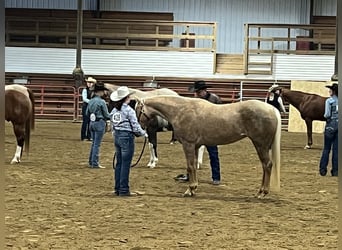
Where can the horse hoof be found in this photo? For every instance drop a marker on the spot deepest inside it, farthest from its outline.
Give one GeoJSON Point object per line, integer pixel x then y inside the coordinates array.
{"type": "Point", "coordinates": [261, 195]}
{"type": "Point", "coordinates": [15, 162]}
{"type": "Point", "coordinates": [188, 193]}
{"type": "Point", "coordinates": [307, 147]}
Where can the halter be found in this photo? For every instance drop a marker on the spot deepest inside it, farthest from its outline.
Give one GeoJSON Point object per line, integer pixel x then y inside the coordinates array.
{"type": "Point", "coordinates": [142, 112]}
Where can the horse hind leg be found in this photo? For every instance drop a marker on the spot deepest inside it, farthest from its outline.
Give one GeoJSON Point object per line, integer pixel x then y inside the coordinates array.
{"type": "Point", "coordinates": [19, 131]}
{"type": "Point", "coordinates": [308, 123]}
{"type": "Point", "coordinates": [190, 155]}
{"type": "Point", "coordinates": [200, 156]}
{"type": "Point", "coordinates": [266, 162]}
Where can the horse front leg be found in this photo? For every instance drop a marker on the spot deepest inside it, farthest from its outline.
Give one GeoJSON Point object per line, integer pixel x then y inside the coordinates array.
{"type": "Point", "coordinates": [152, 145]}
{"type": "Point", "coordinates": [308, 123]}
{"type": "Point", "coordinates": [190, 155]}
{"type": "Point", "coordinates": [19, 131]}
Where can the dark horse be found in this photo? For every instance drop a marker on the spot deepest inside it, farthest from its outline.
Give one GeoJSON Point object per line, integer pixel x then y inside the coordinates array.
{"type": "Point", "coordinates": [156, 124]}
{"type": "Point", "coordinates": [310, 106]}
{"type": "Point", "coordinates": [19, 110]}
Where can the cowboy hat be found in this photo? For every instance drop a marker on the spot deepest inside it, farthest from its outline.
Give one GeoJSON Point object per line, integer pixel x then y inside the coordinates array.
{"type": "Point", "coordinates": [120, 93]}
{"type": "Point", "coordinates": [99, 86]}
{"type": "Point", "coordinates": [198, 85]}
{"type": "Point", "coordinates": [333, 87]}
{"type": "Point", "coordinates": [91, 79]}
{"type": "Point", "coordinates": [274, 87]}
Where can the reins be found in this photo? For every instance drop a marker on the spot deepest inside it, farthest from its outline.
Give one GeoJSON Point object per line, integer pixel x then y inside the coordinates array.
{"type": "Point", "coordinates": [142, 151]}
{"type": "Point", "coordinates": [145, 141]}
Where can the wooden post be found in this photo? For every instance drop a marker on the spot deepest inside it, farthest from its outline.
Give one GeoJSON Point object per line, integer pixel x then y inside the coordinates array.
{"type": "Point", "coordinates": [214, 48]}
{"type": "Point", "coordinates": [335, 75]}
{"type": "Point", "coordinates": [245, 53]}
{"type": "Point", "coordinates": [288, 39]}
{"type": "Point", "coordinates": [259, 35]}
{"type": "Point", "coordinates": [78, 72]}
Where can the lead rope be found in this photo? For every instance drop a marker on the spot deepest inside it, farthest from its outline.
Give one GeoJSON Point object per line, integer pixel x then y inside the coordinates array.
{"type": "Point", "coordinates": [142, 151]}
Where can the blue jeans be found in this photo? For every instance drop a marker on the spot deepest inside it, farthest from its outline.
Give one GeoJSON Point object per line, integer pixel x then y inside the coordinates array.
{"type": "Point", "coordinates": [85, 130]}
{"type": "Point", "coordinates": [214, 162]}
{"type": "Point", "coordinates": [97, 130]}
{"type": "Point", "coordinates": [124, 148]}
{"type": "Point", "coordinates": [330, 141]}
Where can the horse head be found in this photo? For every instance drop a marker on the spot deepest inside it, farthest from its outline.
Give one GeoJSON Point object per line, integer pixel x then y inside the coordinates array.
{"type": "Point", "coordinates": [142, 114]}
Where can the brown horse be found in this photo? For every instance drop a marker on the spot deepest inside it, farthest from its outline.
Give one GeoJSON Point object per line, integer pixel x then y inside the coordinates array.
{"type": "Point", "coordinates": [198, 122]}
{"type": "Point", "coordinates": [19, 110]}
{"type": "Point", "coordinates": [310, 106]}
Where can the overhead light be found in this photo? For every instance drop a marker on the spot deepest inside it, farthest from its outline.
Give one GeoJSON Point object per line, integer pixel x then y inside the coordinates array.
{"type": "Point", "coordinates": [22, 80]}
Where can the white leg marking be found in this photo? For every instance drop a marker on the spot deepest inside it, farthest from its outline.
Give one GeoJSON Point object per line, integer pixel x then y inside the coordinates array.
{"type": "Point", "coordinates": [16, 158]}
{"type": "Point", "coordinates": [200, 156]}
{"type": "Point", "coordinates": [150, 147]}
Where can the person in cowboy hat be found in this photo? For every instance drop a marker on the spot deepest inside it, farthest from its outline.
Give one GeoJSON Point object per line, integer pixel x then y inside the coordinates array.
{"type": "Point", "coordinates": [273, 97]}
{"type": "Point", "coordinates": [330, 132]}
{"type": "Point", "coordinates": [98, 113]}
{"type": "Point", "coordinates": [86, 96]}
{"type": "Point", "coordinates": [125, 127]}
{"type": "Point", "coordinates": [199, 88]}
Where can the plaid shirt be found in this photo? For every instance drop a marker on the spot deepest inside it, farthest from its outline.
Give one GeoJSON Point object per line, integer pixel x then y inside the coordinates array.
{"type": "Point", "coordinates": [126, 120]}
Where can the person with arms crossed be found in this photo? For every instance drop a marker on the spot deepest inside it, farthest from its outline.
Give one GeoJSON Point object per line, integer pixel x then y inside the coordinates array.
{"type": "Point", "coordinates": [330, 132]}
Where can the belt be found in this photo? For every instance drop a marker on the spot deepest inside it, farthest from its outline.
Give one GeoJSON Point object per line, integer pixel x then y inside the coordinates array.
{"type": "Point", "coordinates": [98, 119]}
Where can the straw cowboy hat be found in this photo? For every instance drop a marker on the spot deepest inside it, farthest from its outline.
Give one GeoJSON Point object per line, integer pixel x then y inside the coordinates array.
{"type": "Point", "coordinates": [99, 86]}
{"type": "Point", "coordinates": [198, 85]}
{"type": "Point", "coordinates": [274, 87]}
{"type": "Point", "coordinates": [90, 79]}
{"type": "Point", "coordinates": [120, 93]}
{"type": "Point", "coordinates": [333, 87]}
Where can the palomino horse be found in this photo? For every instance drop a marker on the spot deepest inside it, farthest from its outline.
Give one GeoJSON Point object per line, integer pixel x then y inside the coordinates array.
{"type": "Point", "coordinates": [310, 106]}
{"type": "Point", "coordinates": [157, 124]}
{"type": "Point", "coordinates": [198, 122]}
{"type": "Point", "coordinates": [19, 110]}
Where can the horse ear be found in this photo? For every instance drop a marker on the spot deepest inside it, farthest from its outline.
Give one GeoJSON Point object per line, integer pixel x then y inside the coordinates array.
{"type": "Point", "coordinates": [138, 99]}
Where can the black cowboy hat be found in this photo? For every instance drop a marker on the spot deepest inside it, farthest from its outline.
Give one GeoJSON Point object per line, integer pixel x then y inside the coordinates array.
{"type": "Point", "coordinates": [99, 86]}
{"type": "Point", "coordinates": [333, 87]}
{"type": "Point", "coordinates": [198, 85]}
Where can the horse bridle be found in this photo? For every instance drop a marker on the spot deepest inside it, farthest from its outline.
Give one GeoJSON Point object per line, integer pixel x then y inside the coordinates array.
{"type": "Point", "coordinates": [142, 112]}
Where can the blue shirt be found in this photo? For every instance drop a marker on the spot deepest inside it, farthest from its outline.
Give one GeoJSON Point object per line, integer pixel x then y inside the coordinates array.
{"type": "Point", "coordinates": [331, 107]}
{"type": "Point", "coordinates": [126, 120]}
{"type": "Point", "coordinates": [98, 107]}
{"type": "Point", "coordinates": [85, 95]}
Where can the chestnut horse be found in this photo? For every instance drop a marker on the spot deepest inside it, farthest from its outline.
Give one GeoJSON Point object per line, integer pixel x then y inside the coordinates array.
{"type": "Point", "coordinates": [19, 110]}
{"type": "Point", "coordinates": [198, 122]}
{"type": "Point", "coordinates": [310, 106]}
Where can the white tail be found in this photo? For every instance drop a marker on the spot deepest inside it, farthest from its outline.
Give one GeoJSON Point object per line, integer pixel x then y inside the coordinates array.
{"type": "Point", "coordinates": [275, 174]}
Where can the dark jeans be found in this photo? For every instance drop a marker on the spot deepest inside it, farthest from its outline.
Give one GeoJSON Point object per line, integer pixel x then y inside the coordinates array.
{"type": "Point", "coordinates": [97, 130]}
{"type": "Point", "coordinates": [85, 130]}
{"type": "Point", "coordinates": [330, 141]}
{"type": "Point", "coordinates": [124, 148]}
{"type": "Point", "coordinates": [214, 162]}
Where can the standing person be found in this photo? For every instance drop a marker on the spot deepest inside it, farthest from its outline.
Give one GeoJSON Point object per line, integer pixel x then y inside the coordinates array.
{"type": "Point", "coordinates": [98, 114]}
{"type": "Point", "coordinates": [200, 91]}
{"type": "Point", "coordinates": [125, 126]}
{"type": "Point", "coordinates": [330, 132]}
{"type": "Point", "coordinates": [274, 98]}
{"type": "Point", "coordinates": [86, 96]}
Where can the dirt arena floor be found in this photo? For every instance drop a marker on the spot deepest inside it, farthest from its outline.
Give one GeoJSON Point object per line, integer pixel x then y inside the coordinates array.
{"type": "Point", "coordinates": [54, 201]}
